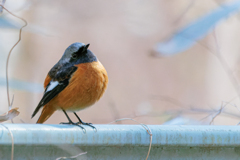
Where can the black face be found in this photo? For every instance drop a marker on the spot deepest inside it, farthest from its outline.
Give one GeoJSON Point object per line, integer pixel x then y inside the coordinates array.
{"type": "Point", "coordinates": [83, 55]}
{"type": "Point", "coordinates": [71, 57]}
{"type": "Point", "coordinates": [81, 50]}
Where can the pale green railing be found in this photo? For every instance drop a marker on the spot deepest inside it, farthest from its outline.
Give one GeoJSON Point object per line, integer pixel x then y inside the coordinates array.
{"type": "Point", "coordinates": [40, 142]}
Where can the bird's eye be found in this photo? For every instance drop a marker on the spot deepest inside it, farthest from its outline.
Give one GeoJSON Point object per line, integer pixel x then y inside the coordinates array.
{"type": "Point", "coordinates": [74, 56]}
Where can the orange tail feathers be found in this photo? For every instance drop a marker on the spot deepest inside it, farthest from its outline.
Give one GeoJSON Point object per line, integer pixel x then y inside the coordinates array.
{"type": "Point", "coordinates": [46, 113]}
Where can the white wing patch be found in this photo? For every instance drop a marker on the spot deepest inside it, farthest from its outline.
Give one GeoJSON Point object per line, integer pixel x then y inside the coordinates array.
{"type": "Point", "coordinates": [52, 85]}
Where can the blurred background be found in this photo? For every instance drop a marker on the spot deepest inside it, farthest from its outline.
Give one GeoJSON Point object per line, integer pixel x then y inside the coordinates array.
{"type": "Point", "coordinates": [168, 61]}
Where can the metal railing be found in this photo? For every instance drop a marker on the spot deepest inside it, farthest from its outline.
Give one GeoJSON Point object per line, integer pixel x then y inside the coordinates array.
{"type": "Point", "coordinates": [43, 141]}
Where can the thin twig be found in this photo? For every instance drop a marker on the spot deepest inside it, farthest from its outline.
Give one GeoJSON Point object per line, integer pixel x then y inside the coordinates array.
{"type": "Point", "coordinates": [221, 109]}
{"type": "Point", "coordinates": [218, 113]}
{"type": "Point", "coordinates": [219, 4]}
{"type": "Point", "coordinates": [169, 99]}
{"type": "Point", "coordinates": [22, 120]}
{"type": "Point", "coordinates": [144, 126]}
{"type": "Point", "coordinates": [20, 34]}
{"type": "Point", "coordinates": [10, 107]}
{"type": "Point", "coordinates": [234, 105]}
{"type": "Point", "coordinates": [2, 2]}
{"type": "Point", "coordinates": [189, 6]}
{"type": "Point", "coordinates": [223, 62]}
{"type": "Point", "coordinates": [114, 110]}
{"type": "Point", "coordinates": [193, 110]}
{"type": "Point", "coordinates": [226, 67]}
{"type": "Point", "coordinates": [12, 152]}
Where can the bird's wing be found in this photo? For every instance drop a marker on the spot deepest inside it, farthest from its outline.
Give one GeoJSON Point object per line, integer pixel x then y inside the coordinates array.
{"type": "Point", "coordinates": [59, 81]}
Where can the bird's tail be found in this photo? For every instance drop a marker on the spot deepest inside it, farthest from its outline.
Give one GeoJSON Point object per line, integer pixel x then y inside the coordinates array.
{"type": "Point", "coordinates": [46, 113]}
{"type": "Point", "coordinates": [36, 110]}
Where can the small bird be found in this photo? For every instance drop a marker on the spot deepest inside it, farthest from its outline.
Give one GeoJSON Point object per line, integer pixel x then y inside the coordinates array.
{"type": "Point", "coordinates": [75, 82]}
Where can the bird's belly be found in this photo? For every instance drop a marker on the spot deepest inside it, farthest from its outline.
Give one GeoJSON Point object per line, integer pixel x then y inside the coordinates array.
{"type": "Point", "coordinates": [86, 86]}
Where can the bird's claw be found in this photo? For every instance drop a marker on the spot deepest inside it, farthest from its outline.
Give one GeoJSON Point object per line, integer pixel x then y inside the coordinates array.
{"type": "Point", "coordinates": [79, 124]}
{"type": "Point", "coordinates": [87, 124]}
{"type": "Point", "coordinates": [76, 124]}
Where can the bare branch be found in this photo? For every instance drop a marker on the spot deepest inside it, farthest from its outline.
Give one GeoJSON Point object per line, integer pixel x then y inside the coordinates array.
{"type": "Point", "coordinates": [114, 110]}
{"type": "Point", "coordinates": [144, 126]}
{"type": "Point", "coordinates": [226, 67]}
{"type": "Point", "coordinates": [2, 2]}
{"type": "Point", "coordinates": [20, 34]}
{"type": "Point", "coordinates": [191, 3]}
{"type": "Point", "coordinates": [12, 152]}
{"type": "Point", "coordinates": [169, 99]}
{"type": "Point", "coordinates": [218, 113]}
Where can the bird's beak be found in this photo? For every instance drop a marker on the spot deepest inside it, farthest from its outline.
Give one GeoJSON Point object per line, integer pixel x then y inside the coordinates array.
{"type": "Point", "coordinates": [86, 47]}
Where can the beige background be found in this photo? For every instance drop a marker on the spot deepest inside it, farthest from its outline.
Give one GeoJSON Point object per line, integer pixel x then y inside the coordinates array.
{"type": "Point", "coordinates": [123, 35]}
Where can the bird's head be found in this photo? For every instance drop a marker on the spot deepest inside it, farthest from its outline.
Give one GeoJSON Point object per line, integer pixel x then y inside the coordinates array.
{"type": "Point", "coordinates": [78, 53]}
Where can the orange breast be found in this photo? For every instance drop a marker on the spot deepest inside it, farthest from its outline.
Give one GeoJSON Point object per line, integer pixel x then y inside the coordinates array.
{"type": "Point", "coordinates": [86, 86]}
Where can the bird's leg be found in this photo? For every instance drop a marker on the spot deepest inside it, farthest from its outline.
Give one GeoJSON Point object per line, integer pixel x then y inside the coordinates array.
{"type": "Point", "coordinates": [70, 121]}
{"type": "Point", "coordinates": [83, 123]}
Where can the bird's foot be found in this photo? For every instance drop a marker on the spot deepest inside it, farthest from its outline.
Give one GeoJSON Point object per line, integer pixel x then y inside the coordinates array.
{"type": "Point", "coordinates": [76, 124]}
{"type": "Point", "coordinates": [83, 123]}
{"type": "Point", "coordinates": [87, 124]}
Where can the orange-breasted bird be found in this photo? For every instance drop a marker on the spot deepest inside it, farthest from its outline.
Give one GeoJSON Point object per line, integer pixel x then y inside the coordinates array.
{"type": "Point", "coordinates": [77, 81]}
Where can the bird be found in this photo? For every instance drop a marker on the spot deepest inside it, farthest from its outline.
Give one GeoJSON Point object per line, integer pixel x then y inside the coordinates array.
{"type": "Point", "coordinates": [75, 82]}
